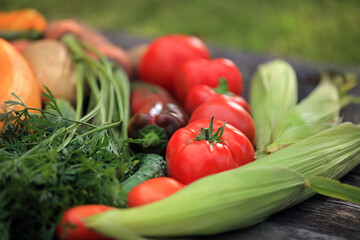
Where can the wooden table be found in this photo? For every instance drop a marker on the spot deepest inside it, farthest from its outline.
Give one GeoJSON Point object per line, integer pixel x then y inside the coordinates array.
{"type": "Point", "coordinates": [320, 217]}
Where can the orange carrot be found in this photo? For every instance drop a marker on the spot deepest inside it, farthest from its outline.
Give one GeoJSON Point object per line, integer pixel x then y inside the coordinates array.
{"type": "Point", "coordinates": [135, 53]}
{"type": "Point", "coordinates": [22, 20]}
{"type": "Point", "coordinates": [16, 77]}
{"type": "Point", "coordinates": [116, 54]}
{"type": "Point", "coordinates": [57, 29]}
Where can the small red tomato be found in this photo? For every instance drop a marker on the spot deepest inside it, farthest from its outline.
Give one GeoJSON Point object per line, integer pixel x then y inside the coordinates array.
{"type": "Point", "coordinates": [153, 190]}
{"type": "Point", "coordinates": [71, 226]}
{"type": "Point", "coordinates": [202, 93]}
{"type": "Point", "coordinates": [206, 147]}
{"type": "Point", "coordinates": [207, 72]}
{"type": "Point", "coordinates": [166, 55]}
{"type": "Point", "coordinates": [227, 111]}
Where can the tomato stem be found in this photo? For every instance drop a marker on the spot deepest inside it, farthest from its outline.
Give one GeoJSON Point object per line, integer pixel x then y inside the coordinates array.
{"type": "Point", "coordinates": [223, 87]}
{"type": "Point", "coordinates": [209, 135]}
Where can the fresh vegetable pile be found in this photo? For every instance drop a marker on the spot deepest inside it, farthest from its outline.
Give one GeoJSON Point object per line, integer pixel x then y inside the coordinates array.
{"type": "Point", "coordinates": [160, 145]}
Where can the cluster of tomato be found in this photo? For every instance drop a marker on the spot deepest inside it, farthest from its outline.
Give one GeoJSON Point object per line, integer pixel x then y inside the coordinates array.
{"type": "Point", "coordinates": [220, 133]}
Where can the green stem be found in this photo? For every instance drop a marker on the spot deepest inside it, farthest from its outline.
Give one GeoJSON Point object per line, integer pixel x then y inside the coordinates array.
{"type": "Point", "coordinates": [79, 101]}
{"type": "Point", "coordinates": [208, 134]}
{"type": "Point", "coordinates": [101, 128]}
{"type": "Point", "coordinates": [97, 98]}
{"type": "Point", "coordinates": [111, 104]}
{"type": "Point", "coordinates": [110, 75]}
{"type": "Point", "coordinates": [119, 80]}
{"type": "Point", "coordinates": [63, 118]}
{"type": "Point", "coordinates": [104, 93]}
{"type": "Point", "coordinates": [112, 82]}
{"type": "Point", "coordinates": [79, 90]}
{"type": "Point", "coordinates": [106, 76]}
{"type": "Point", "coordinates": [108, 96]}
{"type": "Point", "coordinates": [125, 86]}
{"type": "Point", "coordinates": [223, 87]}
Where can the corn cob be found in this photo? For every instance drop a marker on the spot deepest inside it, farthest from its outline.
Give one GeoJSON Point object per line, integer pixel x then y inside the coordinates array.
{"type": "Point", "coordinates": [273, 91]}
{"type": "Point", "coordinates": [197, 208]}
{"type": "Point", "coordinates": [243, 196]}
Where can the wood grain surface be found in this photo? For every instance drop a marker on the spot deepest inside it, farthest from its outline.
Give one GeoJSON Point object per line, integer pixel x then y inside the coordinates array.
{"type": "Point", "coordinates": [319, 217]}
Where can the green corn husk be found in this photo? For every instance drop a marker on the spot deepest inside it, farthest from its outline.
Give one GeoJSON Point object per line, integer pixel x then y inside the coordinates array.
{"type": "Point", "coordinates": [333, 188]}
{"type": "Point", "coordinates": [241, 197]}
{"type": "Point", "coordinates": [273, 91]}
{"type": "Point", "coordinates": [317, 112]}
{"type": "Point", "coordinates": [331, 153]}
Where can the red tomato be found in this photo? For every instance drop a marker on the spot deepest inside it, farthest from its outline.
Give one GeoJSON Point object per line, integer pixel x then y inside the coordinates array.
{"type": "Point", "coordinates": [207, 72]}
{"type": "Point", "coordinates": [166, 55]}
{"type": "Point", "coordinates": [153, 190]}
{"type": "Point", "coordinates": [202, 93]}
{"type": "Point", "coordinates": [191, 155]}
{"type": "Point", "coordinates": [227, 111]}
{"type": "Point", "coordinates": [71, 226]}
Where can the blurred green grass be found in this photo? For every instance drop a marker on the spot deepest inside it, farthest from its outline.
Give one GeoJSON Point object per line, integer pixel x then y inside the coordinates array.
{"type": "Point", "coordinates": [320, 31]}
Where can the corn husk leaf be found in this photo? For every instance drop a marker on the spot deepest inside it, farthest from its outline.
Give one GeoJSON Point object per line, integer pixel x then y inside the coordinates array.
{"type": "Point", "coordinates": [334, 189]}
{"type": "Point", "coordinates": [317, 112]}
{"type": "Point", "coordinates": [273, 92]}
{"type": "Point", "coordinates": [331, 153]}
{"type": "Point", "coordinates": [345, 83]}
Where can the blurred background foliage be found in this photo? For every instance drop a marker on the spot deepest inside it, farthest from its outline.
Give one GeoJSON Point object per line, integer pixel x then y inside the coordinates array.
{"type": "Point", "coordinates": [312, 30]}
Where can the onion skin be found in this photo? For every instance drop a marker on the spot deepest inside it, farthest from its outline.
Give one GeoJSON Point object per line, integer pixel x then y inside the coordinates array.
{"type": "Point", "coordinates": [52, 65]}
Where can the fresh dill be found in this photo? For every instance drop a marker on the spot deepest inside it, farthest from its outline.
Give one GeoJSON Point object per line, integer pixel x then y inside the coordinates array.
{"type": "Point", "coordinates": [54, 158]}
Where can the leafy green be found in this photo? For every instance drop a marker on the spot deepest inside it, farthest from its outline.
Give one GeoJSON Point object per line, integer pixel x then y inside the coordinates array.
{"type": "Point", "coordinates": [39, 178]}
{"type": "Point", "coordinates": [152, 139]}
{"type": "Point", "coordinates": [152, 165]}
{"type": "Point", "coordinates": [53, 159]}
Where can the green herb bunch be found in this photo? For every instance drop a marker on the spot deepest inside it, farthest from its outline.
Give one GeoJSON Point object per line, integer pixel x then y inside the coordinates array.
{"type": "Point", "coordinates": [38, 174]}
{"type": "Point", "coordinates": [52, 160]}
